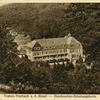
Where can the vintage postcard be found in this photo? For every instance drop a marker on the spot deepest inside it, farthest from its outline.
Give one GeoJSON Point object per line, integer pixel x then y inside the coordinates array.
{"type": "Point", "coordinates": [49, 50]}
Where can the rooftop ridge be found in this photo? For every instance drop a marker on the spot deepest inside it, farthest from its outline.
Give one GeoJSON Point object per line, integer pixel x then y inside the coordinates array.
{"type": "Point", "coordinates": [51, 38]}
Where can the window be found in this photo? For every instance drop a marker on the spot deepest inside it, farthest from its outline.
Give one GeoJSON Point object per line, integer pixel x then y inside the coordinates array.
{"type": "Point", "coordinates": [46, 52]}
{"type": "Point", "coordinates": [64, 50]}
{"type": "Point", "coordinates": [37, 53]}
{"type": "Point", "coordinates": [34, 54]}
{"type": "Point", "coordinates": [36, 48]}
{"type": "Point", "coordinates": [50, 47]}
{"type": "Point", "coordinates": [74, 56]}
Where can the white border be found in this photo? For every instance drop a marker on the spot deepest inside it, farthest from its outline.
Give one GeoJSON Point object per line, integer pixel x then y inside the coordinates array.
{"type": "Point", "coordinates": [2, 2]}
{"type": "Point", "coordinates": [49, 1]}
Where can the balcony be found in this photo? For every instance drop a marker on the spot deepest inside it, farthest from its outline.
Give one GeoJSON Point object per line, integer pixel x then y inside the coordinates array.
{"type": "Point", "coordinates": [50, 58]}
{"type": "Point", "coordinates": [50, 54]}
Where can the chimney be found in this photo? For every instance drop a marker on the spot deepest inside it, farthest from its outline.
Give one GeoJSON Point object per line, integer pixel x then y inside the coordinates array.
{"type": "Point", "coordinates": [69, 34]}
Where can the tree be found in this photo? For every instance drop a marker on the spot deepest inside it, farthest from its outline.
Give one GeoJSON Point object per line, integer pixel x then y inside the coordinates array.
{"type": "Point", "coordinates": [6, 46]}
{"type": "Point", "coordinates": [82, 20]}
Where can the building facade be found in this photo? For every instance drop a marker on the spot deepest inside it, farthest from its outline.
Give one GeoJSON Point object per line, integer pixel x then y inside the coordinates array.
{"type": "Point", "coordinates": [53, 49]}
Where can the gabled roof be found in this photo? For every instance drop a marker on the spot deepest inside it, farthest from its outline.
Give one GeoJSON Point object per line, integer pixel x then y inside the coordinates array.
{"type": "Point", "coordinates": [62, 42]}
{"type": "Point", "coordinates": [31, 44]}
{"type": "Point", "coordinates": [22, 39]}
{"type": "Point", "coordinates": [52, 42]}
{"type": "Point", "coordinates": [73, 43]}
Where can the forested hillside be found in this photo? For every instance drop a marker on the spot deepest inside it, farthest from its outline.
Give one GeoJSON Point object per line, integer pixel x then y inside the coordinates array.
{"type": "Point", "coordinates": [84, 22]}
{"type": "Point", "coordinates": [38, 20]}
{"type": "Point", "coordinates": [50, 20]}
{"type": "Point", "coordinates": [54, 20]}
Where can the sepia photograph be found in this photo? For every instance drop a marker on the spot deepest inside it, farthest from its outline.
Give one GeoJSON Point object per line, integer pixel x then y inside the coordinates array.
{"type": "Point", "coordinates": [50, 48]}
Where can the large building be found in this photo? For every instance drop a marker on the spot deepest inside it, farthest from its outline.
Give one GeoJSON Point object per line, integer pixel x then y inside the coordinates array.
{"type": "Point", "coordinates": [50, 49]}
